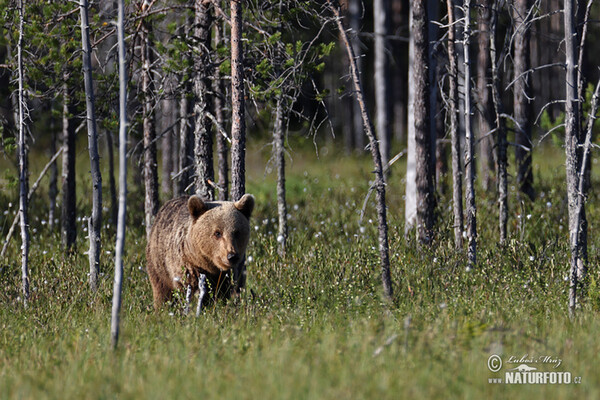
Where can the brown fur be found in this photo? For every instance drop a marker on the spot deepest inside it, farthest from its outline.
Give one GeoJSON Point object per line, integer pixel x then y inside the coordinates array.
{"type": "Point", "coordinates": [192, 237]}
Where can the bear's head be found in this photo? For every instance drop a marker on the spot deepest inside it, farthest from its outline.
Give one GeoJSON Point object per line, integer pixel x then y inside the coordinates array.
{"type": "Point", "coordinates": [219, 231]}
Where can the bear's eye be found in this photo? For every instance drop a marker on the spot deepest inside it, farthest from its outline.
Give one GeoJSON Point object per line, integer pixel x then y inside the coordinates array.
{"type": "Point", "coordinates": [218, 234]}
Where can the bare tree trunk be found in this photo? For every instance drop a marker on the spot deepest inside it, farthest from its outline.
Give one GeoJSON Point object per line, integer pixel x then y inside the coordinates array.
{"type": "Point", "coordinates": [23, 167]}
{"type": "Point", "coordinates": [485, 105]}
{"type": "Point", "coordinates": [69, 201]}
{"type": "Point", "coordinates": [355, 12]}
{"type": "Point", "coordinates": [432, 69]}
{"type": "Point", "coordinates": [522, 96]}
{"type": "Point", "coordinates": [118, 283]}
{"type": "Point", "coordinates": [238, 122]}
{"type": "Point", "coordinates": [410, 203]}
{"type": "Point", "coordinates": [379, 178]}
{"type": "Point", "coordinates": [457, 174]}
{"type": "Point", "coordinates": [166, 129]}
{"type": "Point", "coordinates": [95, 221]}
{"type": "Point", "coordinates": [111, 178]}
{"type": "Point", "coordinates": [500, 130]}
{"type": "Point", "coordinates": [150, 162]}
{"type": "Point", "coordinates": [424, 169]}
{"type": "Point", "coordinates": [53, 184]}
{"type": "Point", "coordinates": [469, 154]}
{"type": "Point", "coordinates": [186, 143]}
{"type": "Point", "coordinates": [278, 141]}
{"type": "Point", "coordinates": [381, 11]}
{"type": "Point", "coordinates": [572, 142]}
{"type": "Point", "coordinates": [219, 103]}
{"type": "Point", "coordinates": [205, 174]}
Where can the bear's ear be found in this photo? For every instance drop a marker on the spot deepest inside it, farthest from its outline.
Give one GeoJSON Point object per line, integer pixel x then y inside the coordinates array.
{"type": "Point", "coordinates": [196, 206]}
{"type": "Point", "coordinates": [245, 205]}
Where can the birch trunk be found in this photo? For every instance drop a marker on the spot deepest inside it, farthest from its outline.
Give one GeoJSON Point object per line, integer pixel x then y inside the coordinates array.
{"type": "Point", "coordinates": [118, 283]}
{"type": "Point", "coordinates": [238, 122]}
{"type": "Point", "coordinates": [95, 221]}
{"type": "Point", "coordinates": [382, 77]}
{"type": "Point", "coordinates": [69, 200]}
{"type": "Point", "coordinates": [150, 160]}
{"type": "Point", "coordinates": [219, 103]}
{"type": "Point", "coordinates": [471, 208]}
{"type": "Point", "coordinates": [487, 166]}
{"type": "Point", "coordinates": [457, 173]}
{"type": "Point", "coordinates": [186, 143]}
{"type": "Point", "coordinates": [278, 141]}
{"type": "Point", "coordinates": [23, 167]}
{"type": "Point", "coordinates": [410, 203]}
{"type": "Point", "coordinates": [379, 178]}
{"type": "Point", "coordinates": [203, 126]}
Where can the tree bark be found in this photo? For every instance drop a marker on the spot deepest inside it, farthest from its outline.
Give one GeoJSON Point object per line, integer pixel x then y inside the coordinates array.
{"type": "Point", "coordinates": [222, 149]}
{"type": "Point", "coordinates": [379, 178]}
{"type": "Point", "coordinates": [487, 165]}
{"type": "Point", "coordinates": [120, 243]}
{"type": "Point", "coordinates": [410, 203]}
{"type": "Point", "coordinates": [150, 161]}
{"type": "Point", "coordinates": [69, 200]}
{"type": "Point", "coordinates": [95, 221]}
{"type": "Point", "coordinates": [279, 142]}
{"type": "Point", "coordinates": [381, 11]}
{"type": "Point", "coordinates": [500, 130]}
{"type": "Point", "coordinates": [167, 120]}
{"type": "Point", "coordinates": [355, 12]}
{"type": "Point", "coordinates": [23, 167]}
{"type": "Point", "coordinates": [471, 208]}
{"type": "Point", "coordinates": [424, 176]}
{"type": "Point", "coordinates": [238, 122]}
{"type": "Point", "coordinates": [203, 151]}
{"type": "Point", "coordinates": [457, 173]}
{"type": "Point", "coordinates": [522, 96]}
{"type": "Point", "coordinates": [186, 142]}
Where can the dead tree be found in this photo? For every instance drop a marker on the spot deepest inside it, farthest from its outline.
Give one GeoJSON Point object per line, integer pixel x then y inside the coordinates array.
{"type": "Point", "coordinates": [381, 11]}
{"type": "Point", "coordinates": [279, 153]}
{"type": "Point", "coordinates": [118, 282]}
{"type": "Point", "coordinates": [457, 174]}
{"type": "Point", "coordinates": [379, 183]}
{"type": "Point", "coordinates": [23, 166]}
{"type": "Point", "coordinates": [95, 221]}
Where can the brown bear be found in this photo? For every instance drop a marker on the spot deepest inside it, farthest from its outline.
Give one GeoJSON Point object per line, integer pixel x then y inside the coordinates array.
{"type": "Point", "coordinates": [190, 238]}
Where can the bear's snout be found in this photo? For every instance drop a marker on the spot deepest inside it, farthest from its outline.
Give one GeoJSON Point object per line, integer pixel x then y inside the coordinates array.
{"type": "Point", "coordinates": [233, 258]}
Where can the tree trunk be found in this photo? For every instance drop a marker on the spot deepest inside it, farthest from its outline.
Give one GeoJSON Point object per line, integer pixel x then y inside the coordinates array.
{"type": "Point", "coordinates": [500, 130]}
{"type": "Point", "coordinates": [186, 143]}
{"type": "Point", "coordinates": [424, 176]}
{"type": "Point", "coordinates": [114, 207]}
{"type": "Point", "coordinates": [150, 162]}
{"type": "Point", "coordinates": [381, 11]}
{"type": "Point", "coordinates": [573, 162]}
{"type": "Point", "coordinates": [166, 129]}
{"type": "Point", "coordinates": [23, 167]}
{"type": "Point", "coordinates": [471, 208]}
{"type": "Point", "coordinates": [95, 221]}
{"type": "Point", "coordinates": [486, 155]}
{"type": "Point", "coordinates": [410, 203]}
{"type": "Point", "coordinates": [355, 11]}
{"type": "Point", "coordinates": [238, 122]}
{"type": "Point", "coordinates": [432, 32]}
{"type": "Point", "coordinates": [203, 151]}
{"type": "Point", "coordinates": [379, 178]}
{"type": "Point", "coordinates": [279, 142]}
{"type": "Point", "coordinates": [118, 283]}
{"type": "Point", "coordinates": [69, 201]}
{"type": "Point", "coordinates": [53, 184]}
{"type": "Point", "coordinates": [522, 97]}
{"type": "Point", "coordinates": [219, 103]}
{"type": "Point", "coordinates": [457, 174]}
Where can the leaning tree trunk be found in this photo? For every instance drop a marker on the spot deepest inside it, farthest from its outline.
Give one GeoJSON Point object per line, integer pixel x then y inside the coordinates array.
{"type": "Point", "coordinates": [424, 169]}
{"type": "Point", "coordinates": [23, 167]}
{"type": "Point", "coordinates": [486, 156]}
{"type": "Point", "coordinates": [379, 178]}
{"type": "Point", "coordinates": [69, 200]}
{"type": "Point", "coordinates": [150, 160]}
{"type": "Point", "coordinates": [500, 130]}
{"type": "Point", "coordinates": [203, 127]}
{"type": "Point", "coordinates": [238, 122]}
{"type": "Point", "coordinates": [573, 163]}
{"type": "Point", "coordinates": [118, 283]}
{"type": "Point", "coordinates": [381, 16]}
{"type": "Point", "coordinates": [457, 174]}
{"type": "Point", "coordinates": [469, 146]}
{"type": "Point", "coordinates": [95, 221]}
{"type": "Point", "coordinates": [522, 97]}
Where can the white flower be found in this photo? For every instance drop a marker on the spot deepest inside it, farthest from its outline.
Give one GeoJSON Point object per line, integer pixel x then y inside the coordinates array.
{"type": "Point", "coordinates": [362, 229]}
{"type": "Point", "coordinates": [250, 259]}
{"type": "Point", "coordinates": [531, 258]}
{"type": "Point", "coordinates": [280, 239]}
{"type": "Point", "coordinates": [548, 204]}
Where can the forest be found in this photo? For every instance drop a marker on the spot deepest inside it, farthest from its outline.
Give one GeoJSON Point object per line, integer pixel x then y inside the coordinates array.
{"type": "Point", "coordinates": [423, 176]}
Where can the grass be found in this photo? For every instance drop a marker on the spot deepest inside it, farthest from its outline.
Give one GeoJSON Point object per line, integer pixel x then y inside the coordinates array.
{"type": "Point", "coordinates": [313, 324]}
